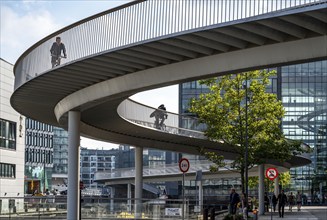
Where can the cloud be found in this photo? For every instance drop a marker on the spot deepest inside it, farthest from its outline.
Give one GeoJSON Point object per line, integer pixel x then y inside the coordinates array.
{"type": "Point", "coordinates": [20, 31]}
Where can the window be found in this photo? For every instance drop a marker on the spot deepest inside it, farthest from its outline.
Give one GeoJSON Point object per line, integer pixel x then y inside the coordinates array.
{"type": "Point", "coordinates": [7, 170]}
{"type": "Point", "coordinates": [7, 134]}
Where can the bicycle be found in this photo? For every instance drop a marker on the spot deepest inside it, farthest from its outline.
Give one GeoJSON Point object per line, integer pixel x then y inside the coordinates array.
{"type": "Point", "coordinates": [55, 60]}
{"type": "Point", "coordinates": [160, 117]}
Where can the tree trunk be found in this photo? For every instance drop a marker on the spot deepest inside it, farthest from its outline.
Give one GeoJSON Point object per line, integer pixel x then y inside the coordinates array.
{"type": "Point", "coordinates": [242, 172]}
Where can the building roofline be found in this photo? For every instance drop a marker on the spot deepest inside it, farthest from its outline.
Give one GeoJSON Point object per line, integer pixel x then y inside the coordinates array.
{"type": "Point", "coordinates": [6, 61]}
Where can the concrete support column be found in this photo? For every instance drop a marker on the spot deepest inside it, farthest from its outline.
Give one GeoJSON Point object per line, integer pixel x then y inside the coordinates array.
{"type": "Point", "coordinates": [73, 197]}
{"type": "Point", "coordinates": [138, 181]}
{"type": "Point", "coordinates": [276, 185]}
{"type": "Point", "coordinates": [200, 195]}
{"type": "Point", "coordinates": [129, 197]}
{"type": "Point", "coordinates": [261, 189]}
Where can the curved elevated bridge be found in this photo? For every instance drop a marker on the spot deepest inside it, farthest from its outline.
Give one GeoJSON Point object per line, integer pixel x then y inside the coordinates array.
{"type": "Point", "coordinates": [150, 44]}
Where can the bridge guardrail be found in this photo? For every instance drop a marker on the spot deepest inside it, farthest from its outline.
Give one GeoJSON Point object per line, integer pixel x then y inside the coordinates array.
{"type": "Point", "coordinates": [174, 123]}
{"type": "Point", "coordinates": [137, 22]}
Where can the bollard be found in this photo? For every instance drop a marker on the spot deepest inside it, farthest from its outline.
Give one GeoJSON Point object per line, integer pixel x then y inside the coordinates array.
{"type": "Point", "coordinates": [212, 214]}
{"type": "Point", "coordinates": [205, 214]}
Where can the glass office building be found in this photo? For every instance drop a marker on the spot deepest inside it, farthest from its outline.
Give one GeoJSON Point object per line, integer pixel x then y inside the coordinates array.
{"type": "Point", "coordinates": [304, 96]}
{"type": "Point", "coordinates": [303, 91]}
{"type": "Point", "coordinates": [38, 156]}
{"type": "Point", "coordinates": [60, 157]}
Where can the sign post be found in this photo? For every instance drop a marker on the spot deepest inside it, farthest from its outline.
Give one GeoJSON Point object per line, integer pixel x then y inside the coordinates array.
{"type": "Point", "coordinates": [184, 166]}
{"type": "Point", "coordinates": [271, 173]}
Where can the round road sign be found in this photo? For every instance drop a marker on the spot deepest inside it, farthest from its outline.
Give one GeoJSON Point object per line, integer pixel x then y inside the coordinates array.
{"type": "Point", "coordinates": [271, 173]}
{"type": "Point", "coordinates": [184, 165]}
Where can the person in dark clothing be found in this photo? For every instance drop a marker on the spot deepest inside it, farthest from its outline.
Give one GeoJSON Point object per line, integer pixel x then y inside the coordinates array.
{"type": "Point", "coordinates": [56, 49]}
{"type": "Point", "coordinates": [291, 201]}
{"type": "Point", "coordinates": [234, 198]}
{"type": "Point", "coordinates": [274, 202]}
{"type": "Point", "coordinates": [282, 200]}
{"type": "Point", "coordinates": [266, 203]}
{"type": "Point", "coordinates": [160, 114]}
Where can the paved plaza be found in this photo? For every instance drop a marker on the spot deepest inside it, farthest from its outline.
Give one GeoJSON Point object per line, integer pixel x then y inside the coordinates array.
{"type": "Point", "coordinates": [306, 213]}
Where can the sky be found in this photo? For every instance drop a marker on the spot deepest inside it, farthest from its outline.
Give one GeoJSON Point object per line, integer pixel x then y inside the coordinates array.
{"type": "Point", "coordinates": [25, 22]}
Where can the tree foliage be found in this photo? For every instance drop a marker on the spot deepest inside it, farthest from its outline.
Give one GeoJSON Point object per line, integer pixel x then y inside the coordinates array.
{"type": "Point", "coordinates": [229, 119]}
{"type": "Point", "coordinates": [284, 180]}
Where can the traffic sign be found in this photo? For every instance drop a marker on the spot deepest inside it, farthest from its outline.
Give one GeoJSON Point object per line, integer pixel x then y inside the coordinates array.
{"type": "Point", "coordinates": [271, 173]}
{"type": "Point", "coordinates": [184, 165]}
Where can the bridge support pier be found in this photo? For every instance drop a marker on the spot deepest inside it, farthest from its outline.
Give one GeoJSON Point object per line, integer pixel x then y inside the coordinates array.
{"type": "Point", "coordinates": [73, 197]}
{"type": "Point", "coordinates": [138, 182]}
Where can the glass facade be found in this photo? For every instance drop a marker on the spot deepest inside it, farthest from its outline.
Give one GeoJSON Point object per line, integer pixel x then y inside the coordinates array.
{"type": "Point", "coordinates": [38, 156]}
{"type": "Point", "coordinates": [7, 134]}
{"type": "Point", "coordinates": [304, 96]}
{"type": "Point", "coordinates": [60, 151]}
{"type": "Point", "coordinates": [303, 91]}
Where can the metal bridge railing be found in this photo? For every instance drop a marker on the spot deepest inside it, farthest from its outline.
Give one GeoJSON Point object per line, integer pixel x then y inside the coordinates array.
{"type": "Point", "coordinates": [166, 169]}
{"type": "Point", "coordinates": [174, 123]}
{"type": "Point", "coordinates": [137, 22]}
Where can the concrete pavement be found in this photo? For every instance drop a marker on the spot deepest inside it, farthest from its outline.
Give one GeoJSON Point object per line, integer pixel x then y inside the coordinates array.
{"type": "Point", "coordinates": [306, 213]}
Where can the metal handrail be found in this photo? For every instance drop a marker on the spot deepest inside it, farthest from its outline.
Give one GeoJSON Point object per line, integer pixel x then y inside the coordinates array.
{"type": "Point", "coordinates": [139, 114]}
{"type": "Point", "coordinates": [137, 22]}
{"type": "Point", "coordinates": [165, 169]}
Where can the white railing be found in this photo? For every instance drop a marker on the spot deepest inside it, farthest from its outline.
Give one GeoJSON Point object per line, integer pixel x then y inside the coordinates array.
{"type": "Point", "coordinates": [165, 170]}
{"type": "Point", "coordinates": [174, 123]}
{"type": "Point", "coordinates": [140, 21]}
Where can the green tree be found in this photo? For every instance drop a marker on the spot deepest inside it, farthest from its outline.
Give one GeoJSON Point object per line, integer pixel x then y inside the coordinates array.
{"type": "Point", "coordinates": [284, 180]}
{"type": "Point", "coordinates": [228, 119]}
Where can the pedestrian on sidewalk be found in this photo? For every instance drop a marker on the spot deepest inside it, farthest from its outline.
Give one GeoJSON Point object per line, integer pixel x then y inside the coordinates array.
{"type": "Point", "coordinates": [299, 200]}
{"type": "Point", "coordinates": [291, 201]}
{"type": "Point", "coordinates": [234, 199]}
{"type": "Point", "coordinates": [274, 202]}
{"type": "Point", "coordinates": [282, 200]}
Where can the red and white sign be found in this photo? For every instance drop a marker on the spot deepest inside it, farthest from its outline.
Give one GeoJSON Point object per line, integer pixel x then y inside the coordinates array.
{"type": "Point", "coordinates": [271, 173]}
{"type": "Point", "coordinates": [184, 165]}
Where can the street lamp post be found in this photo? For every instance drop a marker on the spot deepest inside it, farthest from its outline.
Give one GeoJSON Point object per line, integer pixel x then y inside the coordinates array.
{"type": "Point", "coordinates": [44, 172]}
{"type": "Point", "coordinates": [246, 142]}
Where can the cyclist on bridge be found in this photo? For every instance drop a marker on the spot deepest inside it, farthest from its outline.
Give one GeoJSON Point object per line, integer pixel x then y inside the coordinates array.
{"type": "Point", "coordinates": [55, 51]}
{"type": "Point", "coordinates": [160, 114]}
